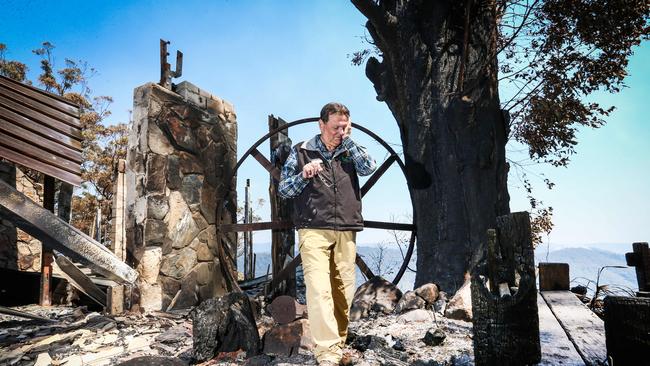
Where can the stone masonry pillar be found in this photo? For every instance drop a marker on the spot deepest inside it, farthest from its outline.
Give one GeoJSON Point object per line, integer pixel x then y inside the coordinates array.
{"type": "Point", "coordinates": [182, 150]}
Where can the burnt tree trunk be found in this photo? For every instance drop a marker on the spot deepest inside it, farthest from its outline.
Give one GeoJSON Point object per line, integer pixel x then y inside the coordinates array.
{"type": "Point", "coordinates": [438, 76]}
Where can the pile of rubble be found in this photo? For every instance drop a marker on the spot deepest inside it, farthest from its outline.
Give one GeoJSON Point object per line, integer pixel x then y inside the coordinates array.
{"type": "Point", "coordinates": [77, 337]}
{"type": "Point", "coordinates": [388, 328]}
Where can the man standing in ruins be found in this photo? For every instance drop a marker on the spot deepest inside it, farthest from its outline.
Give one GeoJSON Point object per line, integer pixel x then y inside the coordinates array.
{"type": "Point", "coordinates": [321, 176]}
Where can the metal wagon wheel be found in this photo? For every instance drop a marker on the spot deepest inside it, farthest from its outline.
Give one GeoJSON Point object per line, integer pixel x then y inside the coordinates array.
{"type": "Point", "coordinates": [275, 173]}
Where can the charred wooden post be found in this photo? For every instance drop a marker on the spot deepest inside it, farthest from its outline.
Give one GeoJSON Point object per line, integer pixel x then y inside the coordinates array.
{"type": "Point", "coordinates": [64, 204]}
{"type": "Point", "coordinates": [47, 254]}
{"type": "Point", "coordinates": [283, 241]}
{"type": "Point", "coordinates": [247, 234]}
{"type": "Point", "coordinates": [640, 259]}
{"type": "Point", "coordinates": [64, 201]}
{"type": "Point", "coordinates": [554, 277]}
{"type": "Point", "coordinates": [118, 228]}
{"type": "Point", "coordinates": [115, 294]}
{"type": "Point", "coordinates": [98, 222]}
{"type": "Point", "coordinates": [506, 326]}
{"type": "Point", "coordinates": [627, 329]}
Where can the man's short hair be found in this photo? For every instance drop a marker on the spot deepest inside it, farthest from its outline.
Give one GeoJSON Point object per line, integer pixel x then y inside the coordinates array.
{"type": "Point", "coordinates": [333, 108]}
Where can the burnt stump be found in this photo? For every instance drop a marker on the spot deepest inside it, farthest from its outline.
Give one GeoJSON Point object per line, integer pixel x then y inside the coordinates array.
{"type": "Point", "coordinates": [224, 324]}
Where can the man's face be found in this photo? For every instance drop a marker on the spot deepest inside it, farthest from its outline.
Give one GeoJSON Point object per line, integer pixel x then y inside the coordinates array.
{"type": "Point", "coordinates": [333, 130]}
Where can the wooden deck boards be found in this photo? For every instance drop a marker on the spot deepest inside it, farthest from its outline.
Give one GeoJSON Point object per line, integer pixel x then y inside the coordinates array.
{"type": "Point", "coordinates": [557, 349]}
{"type": "Point", "coordinates": [584, 329]}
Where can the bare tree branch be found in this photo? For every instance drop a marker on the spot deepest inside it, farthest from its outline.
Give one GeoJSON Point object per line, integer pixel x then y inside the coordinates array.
{"type": "Point", "coordinates": [521, 26]}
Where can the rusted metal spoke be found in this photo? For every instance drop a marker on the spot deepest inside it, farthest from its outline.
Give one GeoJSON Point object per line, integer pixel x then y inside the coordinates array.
{"type": "Point", "coordinates": [255, 226]}
{"type": "Point", "coordinates": [275, 172]}
{"type": "Point", "coordinates": [364, 267]}
{"type": "Point", "coordinates": [375, 177]}
{"type": "Point", "coordinates": [388, 225]}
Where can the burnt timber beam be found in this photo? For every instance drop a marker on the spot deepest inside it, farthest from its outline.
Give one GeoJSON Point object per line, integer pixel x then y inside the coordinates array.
{"type": "Point", "coordinates": [22, 314]}
{"type": "Point", "coordinates": [50, 229]}
{"type": "Point", "coordinates": [80, 281]}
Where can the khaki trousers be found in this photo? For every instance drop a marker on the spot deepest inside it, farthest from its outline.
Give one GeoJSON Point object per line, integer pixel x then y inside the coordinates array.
{"type": "Point", "coordinates": [328, 261]}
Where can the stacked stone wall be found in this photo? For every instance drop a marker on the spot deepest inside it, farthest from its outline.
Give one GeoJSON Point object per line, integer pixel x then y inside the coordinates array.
{"type": "Point", "coordinates": [182, 151]}
{"type": "Point", "coordinates": [18, 250]}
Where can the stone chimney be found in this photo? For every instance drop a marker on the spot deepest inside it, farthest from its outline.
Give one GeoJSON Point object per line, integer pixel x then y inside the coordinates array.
{"type": "Point", "coordinates": [182, 152]}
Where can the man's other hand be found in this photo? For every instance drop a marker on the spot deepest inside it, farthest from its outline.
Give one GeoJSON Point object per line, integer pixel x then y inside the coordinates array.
{"type": "Point", "coordinates": [311, 169]}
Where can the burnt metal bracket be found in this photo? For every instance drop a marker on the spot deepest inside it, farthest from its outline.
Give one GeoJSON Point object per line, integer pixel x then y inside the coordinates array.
{"type": "Point", "coordinates": [166, 73]}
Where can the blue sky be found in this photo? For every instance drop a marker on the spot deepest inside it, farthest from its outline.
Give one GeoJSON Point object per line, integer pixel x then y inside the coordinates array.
{"type": "Point", "coordinates": [288, 58]}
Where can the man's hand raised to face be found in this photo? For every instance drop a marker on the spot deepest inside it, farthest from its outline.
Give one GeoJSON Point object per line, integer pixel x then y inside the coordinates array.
{"type": "Point", "coordinates": [347, 130]}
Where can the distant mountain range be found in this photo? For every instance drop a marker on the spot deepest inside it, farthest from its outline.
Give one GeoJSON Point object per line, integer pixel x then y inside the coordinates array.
{"type": "Point", "coordinates": [584, 264]}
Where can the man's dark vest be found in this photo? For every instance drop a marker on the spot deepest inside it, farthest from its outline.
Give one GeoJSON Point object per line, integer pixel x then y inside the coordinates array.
{"type": "Point", "coordinates": [331, 199]}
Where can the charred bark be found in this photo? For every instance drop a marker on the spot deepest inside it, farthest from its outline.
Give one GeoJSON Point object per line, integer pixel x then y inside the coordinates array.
{"type": "Point", "coordinates": [438, 76]}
